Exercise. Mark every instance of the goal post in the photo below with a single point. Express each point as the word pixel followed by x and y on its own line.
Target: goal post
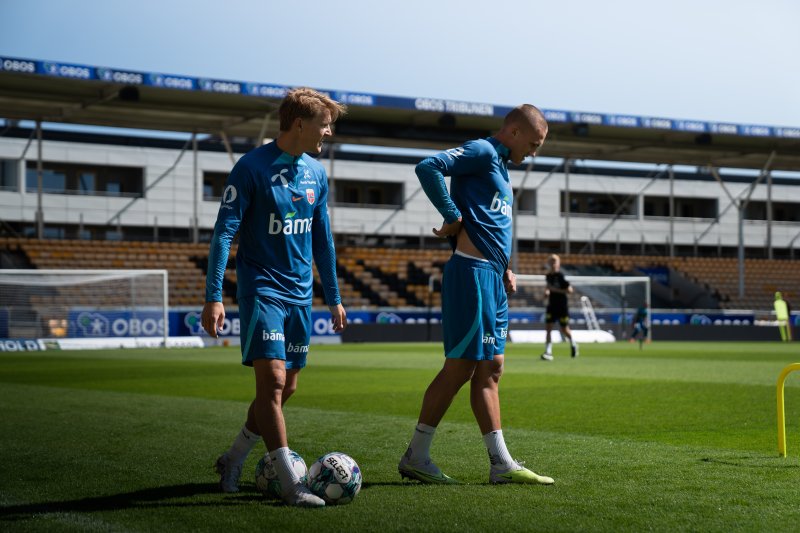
pixel 601 304
pixel 84 304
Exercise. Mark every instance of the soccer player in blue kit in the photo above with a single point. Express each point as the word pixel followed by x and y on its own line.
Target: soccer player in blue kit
pixel 475 285
pixel 276 197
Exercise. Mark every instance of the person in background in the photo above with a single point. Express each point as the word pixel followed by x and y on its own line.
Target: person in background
pixel 784 315
pixel 558 288
pixel 640 329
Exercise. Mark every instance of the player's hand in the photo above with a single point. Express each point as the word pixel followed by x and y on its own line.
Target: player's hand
pixel 213 317
pixel 338 317
pixel 510 282
pixel 448 229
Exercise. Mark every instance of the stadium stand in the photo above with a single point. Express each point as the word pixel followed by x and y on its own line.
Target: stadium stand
pixel 372 277
pixel 675 228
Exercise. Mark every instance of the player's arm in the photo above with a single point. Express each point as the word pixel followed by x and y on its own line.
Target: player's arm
pixel 325 258
pixel 470 158
pixel 229 217
pixel 567 285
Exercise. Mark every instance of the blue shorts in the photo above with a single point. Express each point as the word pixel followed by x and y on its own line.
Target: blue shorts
pixel 274 329
pixel 474 310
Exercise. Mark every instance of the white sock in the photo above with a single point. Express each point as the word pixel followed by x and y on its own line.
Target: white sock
pixel 283 467
pixel 419 450
pixel 242 445
pixel 571 341
pixel 548 348
pixel 498 453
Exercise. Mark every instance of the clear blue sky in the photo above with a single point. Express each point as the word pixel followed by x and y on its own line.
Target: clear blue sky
pixel 712 60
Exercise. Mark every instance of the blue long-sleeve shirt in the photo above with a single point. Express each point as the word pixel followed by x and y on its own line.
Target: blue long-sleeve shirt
pixel 278 203
pixel 480 193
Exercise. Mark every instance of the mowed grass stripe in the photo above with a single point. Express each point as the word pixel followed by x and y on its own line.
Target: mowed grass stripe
pixel 663 406
pixel 139 462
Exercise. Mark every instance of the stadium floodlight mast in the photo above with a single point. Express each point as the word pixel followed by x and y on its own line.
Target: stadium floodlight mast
pixel 741 206
pixel 84 304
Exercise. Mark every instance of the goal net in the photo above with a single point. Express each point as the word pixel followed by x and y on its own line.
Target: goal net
pixel 84 305
pixel 601 308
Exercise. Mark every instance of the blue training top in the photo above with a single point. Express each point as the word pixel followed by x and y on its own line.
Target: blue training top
pixel 280 203
pixel 480 193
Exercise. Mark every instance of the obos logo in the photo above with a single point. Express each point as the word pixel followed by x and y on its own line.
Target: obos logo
pixel 289 226
pixel 93 324
pixel 228 197
pixel 388 318
pixel 97 325
pixel 104 74
pixel 15 65
pixel 501 204
pixel 119 76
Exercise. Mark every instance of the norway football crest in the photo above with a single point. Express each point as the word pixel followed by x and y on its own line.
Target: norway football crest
pixel 310 196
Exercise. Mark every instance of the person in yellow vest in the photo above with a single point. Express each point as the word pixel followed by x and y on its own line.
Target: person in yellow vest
pixel 783 315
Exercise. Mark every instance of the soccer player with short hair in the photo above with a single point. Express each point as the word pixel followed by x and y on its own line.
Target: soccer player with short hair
pixel 475 285
pixel 276 198
pixel 557 309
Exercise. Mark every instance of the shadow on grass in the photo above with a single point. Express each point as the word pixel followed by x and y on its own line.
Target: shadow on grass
pixel 752 461
pixel 368 485
pixel 140 499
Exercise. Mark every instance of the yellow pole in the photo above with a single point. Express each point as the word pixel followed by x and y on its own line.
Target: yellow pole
pixel 781 412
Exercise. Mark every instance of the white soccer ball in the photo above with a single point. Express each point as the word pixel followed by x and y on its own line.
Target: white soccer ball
pixel 335 477
pixel 267 478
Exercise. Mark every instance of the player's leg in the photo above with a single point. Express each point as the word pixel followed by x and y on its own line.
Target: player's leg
pixel 461 323
pixel 270 379
pixel 485 384
pixel 444 387
pixel 229 464
pixel 248 436
pixel 483 394
pixel 296 337
pixel 567 333
pixel 416 463
pixel 485 402
pixel 548 342
pixel 270 382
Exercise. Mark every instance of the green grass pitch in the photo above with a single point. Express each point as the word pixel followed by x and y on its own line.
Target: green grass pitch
pixel 674 437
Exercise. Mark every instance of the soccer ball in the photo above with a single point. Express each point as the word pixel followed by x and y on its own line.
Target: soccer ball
pixel 267 478
pixel 335 477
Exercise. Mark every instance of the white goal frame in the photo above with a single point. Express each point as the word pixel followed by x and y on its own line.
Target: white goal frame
pixel 579 282
pixel 56 278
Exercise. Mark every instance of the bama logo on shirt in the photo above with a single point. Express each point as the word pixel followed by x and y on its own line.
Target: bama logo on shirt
pixel 500 204
pixel 289 225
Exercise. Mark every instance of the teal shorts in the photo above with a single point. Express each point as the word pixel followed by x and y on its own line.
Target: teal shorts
pixel 274 329
pixel 474 310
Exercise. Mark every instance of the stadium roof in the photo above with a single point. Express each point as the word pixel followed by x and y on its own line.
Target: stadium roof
pixel 81 94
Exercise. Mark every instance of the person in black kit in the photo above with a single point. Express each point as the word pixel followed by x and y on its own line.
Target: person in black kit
pixel 557 310
pixel 640 329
